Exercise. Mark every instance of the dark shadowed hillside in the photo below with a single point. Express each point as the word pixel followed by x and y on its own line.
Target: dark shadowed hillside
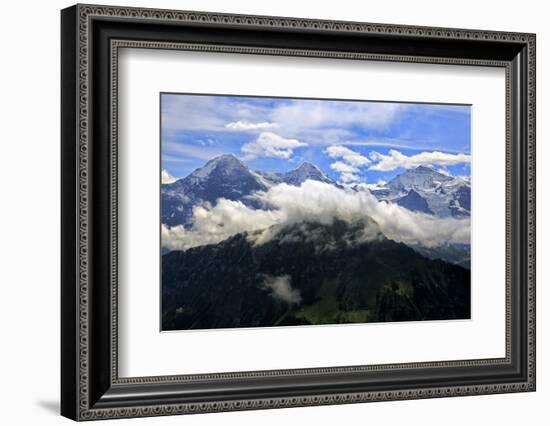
pixel 309 274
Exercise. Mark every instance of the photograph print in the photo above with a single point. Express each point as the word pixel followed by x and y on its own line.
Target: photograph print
pixel 301 212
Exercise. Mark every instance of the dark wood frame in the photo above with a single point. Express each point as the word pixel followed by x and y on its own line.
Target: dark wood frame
pixel 91 37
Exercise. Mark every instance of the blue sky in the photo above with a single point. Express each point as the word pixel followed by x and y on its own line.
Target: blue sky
pixel 351 141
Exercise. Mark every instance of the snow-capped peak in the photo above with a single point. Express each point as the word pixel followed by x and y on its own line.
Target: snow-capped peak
pixel 425 169
pixel 444 193
pixel 226 162
pixel 307 166
pixel 297 176
pixel 422 177
pixel 305 172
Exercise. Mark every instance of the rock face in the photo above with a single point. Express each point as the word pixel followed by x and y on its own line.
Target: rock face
pixel 309 273
pixel 414 202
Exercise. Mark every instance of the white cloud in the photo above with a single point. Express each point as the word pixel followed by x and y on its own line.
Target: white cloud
pixel 347 177
pixel 395 159
pixel 269 144
pixel 401 143
pixel 444 171
pixel 318 122
pixel 350 164
pixel 188 112
pixel 182 151
pixel 166 177
pixel 349 156
pixel 347 173
pixel 371 186
pixel 212 224
pixel 313 202
pixel 323 114
pixel 281 289
pixel 195 112
pixel 343 167
pixel 245 125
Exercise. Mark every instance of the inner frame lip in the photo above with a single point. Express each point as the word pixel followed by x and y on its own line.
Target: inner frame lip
pixel 116 44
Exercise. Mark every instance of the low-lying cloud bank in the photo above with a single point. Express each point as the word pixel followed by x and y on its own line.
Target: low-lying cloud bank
pixel 281 289
pixel 312 202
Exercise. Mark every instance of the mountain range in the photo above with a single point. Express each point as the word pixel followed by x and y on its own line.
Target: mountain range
pixel 226 177
pixel 428 190
pixel 422 189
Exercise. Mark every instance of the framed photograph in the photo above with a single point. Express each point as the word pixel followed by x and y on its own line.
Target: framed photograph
pixel 263 212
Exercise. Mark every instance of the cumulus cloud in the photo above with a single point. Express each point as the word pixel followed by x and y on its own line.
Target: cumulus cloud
pixel 313 201
pixel 380 183
pixel 321 114
pixel 349 156
pixel 269 144
pixel 281 289
pixel 197 112
pixel 347 177
pixel 166 177
pixel 318 122
pixel 212 224
pixel 343 167
pixel 395 159
pixel 350 164
pixel 245 125
pixel 347 173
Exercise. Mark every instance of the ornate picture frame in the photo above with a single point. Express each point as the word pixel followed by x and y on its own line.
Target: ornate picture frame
pixel 91 37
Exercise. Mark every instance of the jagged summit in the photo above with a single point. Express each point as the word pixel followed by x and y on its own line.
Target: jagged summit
pixel 305 171
pixel 222 177
pixel 228 164
pixel 306 165
pixel 422 177
pixel 297 176
pixel 226 176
